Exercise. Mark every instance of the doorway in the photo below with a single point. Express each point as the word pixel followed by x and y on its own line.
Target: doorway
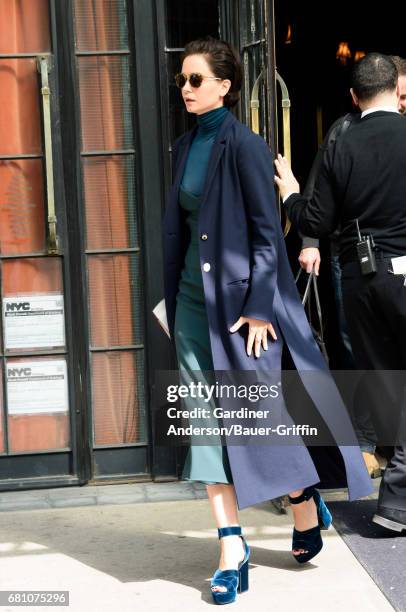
pixel 316 45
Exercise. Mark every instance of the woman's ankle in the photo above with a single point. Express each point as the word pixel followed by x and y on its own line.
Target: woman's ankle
pixel 232 551
pixel 296 493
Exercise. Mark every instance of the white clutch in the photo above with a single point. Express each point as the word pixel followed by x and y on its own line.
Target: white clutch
pixel 160 314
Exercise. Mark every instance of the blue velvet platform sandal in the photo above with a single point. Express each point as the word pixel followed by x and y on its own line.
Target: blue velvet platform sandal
pixel 310 539
pixel 233 579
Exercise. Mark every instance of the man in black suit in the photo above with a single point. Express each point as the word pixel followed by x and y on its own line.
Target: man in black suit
pixel 363 180
pixel 310 259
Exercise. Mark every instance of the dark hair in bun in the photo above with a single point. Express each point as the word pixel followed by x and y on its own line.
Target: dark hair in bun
pixel 223 60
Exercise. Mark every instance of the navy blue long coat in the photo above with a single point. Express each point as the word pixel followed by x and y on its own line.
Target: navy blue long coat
pixel 246 272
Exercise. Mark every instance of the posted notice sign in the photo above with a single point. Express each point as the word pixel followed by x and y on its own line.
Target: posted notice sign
pixel 35 387
pixel 34 321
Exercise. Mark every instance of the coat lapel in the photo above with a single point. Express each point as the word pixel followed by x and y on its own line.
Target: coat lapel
pixel 172 211
pixel 216 153
pixel 182 157
pixel 215 156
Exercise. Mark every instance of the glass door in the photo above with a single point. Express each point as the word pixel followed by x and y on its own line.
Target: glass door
pixel 37 428
pixel 111 248
pixel 72 343
pixel 256 41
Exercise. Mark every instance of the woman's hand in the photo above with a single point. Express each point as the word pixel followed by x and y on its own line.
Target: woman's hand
pixel 258 332
pixel 285 179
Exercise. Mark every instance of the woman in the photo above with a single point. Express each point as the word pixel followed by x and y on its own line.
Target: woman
pixel 228 285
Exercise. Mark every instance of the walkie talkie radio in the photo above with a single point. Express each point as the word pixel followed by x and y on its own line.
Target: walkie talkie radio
pixel 365 251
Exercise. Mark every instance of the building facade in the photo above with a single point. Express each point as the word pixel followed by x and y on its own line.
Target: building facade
pixel 87 117
pixel 88 113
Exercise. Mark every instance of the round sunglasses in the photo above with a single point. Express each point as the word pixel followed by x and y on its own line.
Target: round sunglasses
pixel 195 79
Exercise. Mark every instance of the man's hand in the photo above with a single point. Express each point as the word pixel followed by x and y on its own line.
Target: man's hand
pixel 285 179
pixel 309 258
pixel 258 331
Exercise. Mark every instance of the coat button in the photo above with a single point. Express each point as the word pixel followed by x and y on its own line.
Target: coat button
pixel 203 236
pixel 206 267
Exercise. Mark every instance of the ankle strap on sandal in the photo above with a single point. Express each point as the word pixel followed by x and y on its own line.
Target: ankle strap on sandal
pixel 308 493
pixel 226 531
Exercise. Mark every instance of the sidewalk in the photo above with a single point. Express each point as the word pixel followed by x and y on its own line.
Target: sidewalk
pixel 149 553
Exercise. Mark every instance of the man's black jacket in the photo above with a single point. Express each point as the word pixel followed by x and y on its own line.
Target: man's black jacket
pixel 362 176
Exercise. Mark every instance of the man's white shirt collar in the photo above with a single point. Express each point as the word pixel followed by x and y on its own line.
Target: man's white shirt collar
pixel 374 109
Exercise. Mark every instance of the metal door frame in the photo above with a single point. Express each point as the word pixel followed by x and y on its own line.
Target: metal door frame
pixel 60 468
pixel 112 460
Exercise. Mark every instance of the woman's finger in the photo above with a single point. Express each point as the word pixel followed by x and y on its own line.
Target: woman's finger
pixel 265 339
pixel 258 339
pixel 272 331
pixel 237 325
pixel 250 341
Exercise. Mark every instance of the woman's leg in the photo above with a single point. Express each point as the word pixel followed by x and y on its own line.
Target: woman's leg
pixel 223 504
pixel 304 516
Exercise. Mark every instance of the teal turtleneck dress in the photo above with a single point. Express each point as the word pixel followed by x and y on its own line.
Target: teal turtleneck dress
pixel 208 464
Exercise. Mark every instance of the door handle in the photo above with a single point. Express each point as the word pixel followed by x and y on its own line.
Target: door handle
pixel 285 130
pixel 254 103
pixel 44 65
pixel 254 106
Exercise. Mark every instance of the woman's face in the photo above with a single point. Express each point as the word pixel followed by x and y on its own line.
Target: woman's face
pixel 210 94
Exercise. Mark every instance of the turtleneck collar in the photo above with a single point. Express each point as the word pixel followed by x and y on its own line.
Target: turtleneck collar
pixel 210 121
